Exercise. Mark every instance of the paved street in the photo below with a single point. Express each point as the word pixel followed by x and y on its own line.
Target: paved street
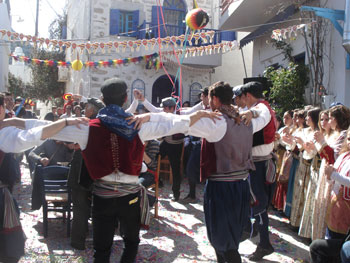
pixel 178 236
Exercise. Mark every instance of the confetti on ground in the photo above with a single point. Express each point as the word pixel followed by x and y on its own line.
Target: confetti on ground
pixel 179 235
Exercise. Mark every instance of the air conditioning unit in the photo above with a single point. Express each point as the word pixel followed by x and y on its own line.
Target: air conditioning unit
pixel 63 74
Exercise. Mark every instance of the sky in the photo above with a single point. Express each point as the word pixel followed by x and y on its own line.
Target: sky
pixel 24 12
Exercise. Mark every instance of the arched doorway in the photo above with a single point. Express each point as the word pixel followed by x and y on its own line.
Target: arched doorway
pixel 162 88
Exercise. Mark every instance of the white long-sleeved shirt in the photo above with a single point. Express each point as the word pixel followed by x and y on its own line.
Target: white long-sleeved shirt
pixel 184 111
pixel 17 140
pixel 133 106
pixel 342 177
pixel 161 124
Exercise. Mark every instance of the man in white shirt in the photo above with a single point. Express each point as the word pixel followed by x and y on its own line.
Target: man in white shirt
pixel 68 113
pixel 15 140
pixel 113 151
pixel 172 146
pixel 263 143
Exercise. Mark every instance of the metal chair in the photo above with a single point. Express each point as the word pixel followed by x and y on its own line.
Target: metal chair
pixel 56 195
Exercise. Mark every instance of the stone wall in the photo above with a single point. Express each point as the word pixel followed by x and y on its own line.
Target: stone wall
pixel 88 81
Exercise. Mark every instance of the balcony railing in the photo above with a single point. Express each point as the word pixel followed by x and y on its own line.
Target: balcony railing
pixel 148 30
pixel 224 5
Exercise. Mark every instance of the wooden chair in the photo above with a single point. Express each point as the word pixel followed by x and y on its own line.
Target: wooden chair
pixel 165 167
pixel 156 188
pixel 56 195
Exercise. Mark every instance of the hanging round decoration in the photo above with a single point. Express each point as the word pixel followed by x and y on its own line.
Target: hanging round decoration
pixel 197 19
pixel 30 102
pixel 77 65
pixel 67 96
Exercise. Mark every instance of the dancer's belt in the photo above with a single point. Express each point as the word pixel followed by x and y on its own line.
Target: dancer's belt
pixel 113 189
pixel 307 162
pixel 230 177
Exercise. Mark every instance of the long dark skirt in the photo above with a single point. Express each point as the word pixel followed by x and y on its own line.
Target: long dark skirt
pixel 226 210
pixel 293 170
pixel 12 241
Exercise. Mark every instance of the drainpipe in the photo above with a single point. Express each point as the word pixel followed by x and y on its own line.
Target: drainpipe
pixel 346 34
pixel 89 39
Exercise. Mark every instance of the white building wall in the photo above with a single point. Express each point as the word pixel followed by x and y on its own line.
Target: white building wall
pixel 339 77
pixel 88 81
pixel 336 76
pixel 232 69
pixel 4 48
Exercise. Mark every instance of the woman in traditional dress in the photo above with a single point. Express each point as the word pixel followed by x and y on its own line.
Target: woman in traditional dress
pixel 284 163
pixel 339 120
pixel 298 126
pixel 323 190
pixel 338 214
pixel 305 229
pixel 302 175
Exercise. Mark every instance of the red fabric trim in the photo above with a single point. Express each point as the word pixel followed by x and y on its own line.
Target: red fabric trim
pixel 10 230
pixel 327 153
pixel 346 190
pixel 270 129
pixel 154 173
pixel 208 160
pixel 2 155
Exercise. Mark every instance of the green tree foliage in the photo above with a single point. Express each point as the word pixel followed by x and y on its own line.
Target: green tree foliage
pixel 45 85
pixel 16 86
pixel 288 87
pixel 287 84
pixel 58 26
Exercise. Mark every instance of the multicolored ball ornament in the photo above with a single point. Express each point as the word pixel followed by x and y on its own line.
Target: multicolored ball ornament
pixel 197 19
pixel 77 65
pixel 67 96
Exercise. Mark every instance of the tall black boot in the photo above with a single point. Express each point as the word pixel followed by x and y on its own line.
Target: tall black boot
pixel 130 251
pixel 219 257
pixel 232 256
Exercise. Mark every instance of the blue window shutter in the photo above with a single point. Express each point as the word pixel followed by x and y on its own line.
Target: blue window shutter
pixel 114 21
pixel 228 36
pixel 154 24
pixel 135 22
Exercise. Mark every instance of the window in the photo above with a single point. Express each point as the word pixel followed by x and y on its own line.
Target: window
pixel 195 91
pixel 300 59
pixel 228 36
pixel 138 84
pixel 174 16
pixel 123 22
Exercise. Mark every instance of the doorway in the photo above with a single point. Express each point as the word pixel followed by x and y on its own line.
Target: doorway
pixel 163 88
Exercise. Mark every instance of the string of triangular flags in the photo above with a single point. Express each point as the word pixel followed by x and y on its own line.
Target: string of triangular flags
pixel 151 60
pixel 284 33
pixel 117 46
pixel 208 50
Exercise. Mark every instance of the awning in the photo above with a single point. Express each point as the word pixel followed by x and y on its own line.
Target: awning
pixel 269 25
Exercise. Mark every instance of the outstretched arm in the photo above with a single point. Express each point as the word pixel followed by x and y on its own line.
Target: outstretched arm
pixel 15 122
pixel 133 106
pixel 187 111
pixel 15 140
pixel 150 107
pixel 53 128
pixel 204 124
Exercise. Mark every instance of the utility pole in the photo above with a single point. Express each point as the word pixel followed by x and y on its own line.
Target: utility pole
pixel 37 18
